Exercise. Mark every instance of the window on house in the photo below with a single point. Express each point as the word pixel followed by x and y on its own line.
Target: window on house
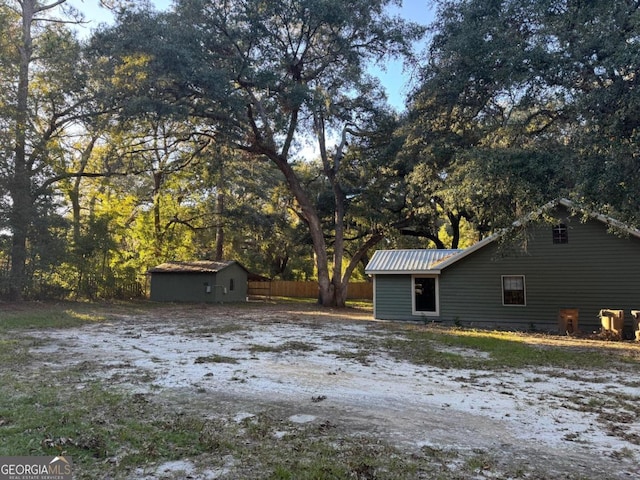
pixel 513 291
pixel 425 295
pixel 231 285
pixel 560 233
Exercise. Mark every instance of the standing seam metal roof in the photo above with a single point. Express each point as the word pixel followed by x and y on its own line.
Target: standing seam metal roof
pixel 407 261
pixel 433 261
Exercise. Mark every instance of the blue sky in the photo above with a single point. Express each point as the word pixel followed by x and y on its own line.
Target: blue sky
pixel 393 76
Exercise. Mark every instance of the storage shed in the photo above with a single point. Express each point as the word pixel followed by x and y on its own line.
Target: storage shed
pixel 574 264
pixel 199 281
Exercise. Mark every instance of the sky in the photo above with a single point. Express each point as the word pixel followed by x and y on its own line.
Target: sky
pixel 394 78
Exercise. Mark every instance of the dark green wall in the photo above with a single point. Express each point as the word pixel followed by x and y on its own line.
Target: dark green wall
pixel 223 279
pixel 190 287
pixel 392 297
pixel 595 270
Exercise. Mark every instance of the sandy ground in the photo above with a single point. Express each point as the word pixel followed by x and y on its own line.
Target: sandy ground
pixel 528 417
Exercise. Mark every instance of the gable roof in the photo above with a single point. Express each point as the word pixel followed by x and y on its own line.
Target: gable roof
pixel 549 206
pixel 196 266
pixel 433 261
pixel 407 261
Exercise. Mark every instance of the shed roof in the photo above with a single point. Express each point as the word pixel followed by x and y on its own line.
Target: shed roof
pixel 196 266
pixel 407 261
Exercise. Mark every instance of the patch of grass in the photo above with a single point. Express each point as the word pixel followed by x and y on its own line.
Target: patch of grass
pixel 216 359
pixel 291 346
pixel 343 457
pixel 14 351
pixel 360 356
pixel 38 316
pixel 495 350
pixel 364 457
pixel 361 304
pixel 480 462
pixel 92 425
pixel 289 300
pixel 357 304
pixel 362 349
pixel 421 350
pixel 625 452
pixel 442 455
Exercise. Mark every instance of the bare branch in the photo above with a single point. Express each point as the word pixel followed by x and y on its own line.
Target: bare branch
pixel 44 8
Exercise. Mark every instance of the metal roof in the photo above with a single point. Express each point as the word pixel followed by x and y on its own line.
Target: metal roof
pixel 197 266
pixel 407 261
pixel 433 261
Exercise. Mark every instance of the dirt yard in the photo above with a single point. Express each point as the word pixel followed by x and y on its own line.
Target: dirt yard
pixel 329 369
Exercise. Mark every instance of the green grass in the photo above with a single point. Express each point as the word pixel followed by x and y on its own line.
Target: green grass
pixel 291 346
pixel 90 424
pixel 111 432
pixel 36 315
pixel 216 359
pixel 57 317
pixel 355 303
pixel 362 356
pixel 96 425
pixel 494 350
pixel 13 351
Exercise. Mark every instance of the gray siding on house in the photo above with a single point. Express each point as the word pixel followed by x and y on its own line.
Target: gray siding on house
pixel 192 286
pixel 594 270
pixel 182 287
pixel 224 278
pixel 392 297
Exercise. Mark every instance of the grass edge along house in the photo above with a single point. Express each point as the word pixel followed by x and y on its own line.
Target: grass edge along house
pixel 559 259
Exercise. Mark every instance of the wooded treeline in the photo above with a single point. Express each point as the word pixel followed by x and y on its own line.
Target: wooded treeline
pixel 252 130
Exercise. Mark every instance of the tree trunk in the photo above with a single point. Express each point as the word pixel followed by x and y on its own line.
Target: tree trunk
pixel 454 220
pixel 158 177
pixel 219 255
pixel 357 257
pixel 20 184
pixel 339 286
pixel 326 289
pixel 340 292
pixel 74 191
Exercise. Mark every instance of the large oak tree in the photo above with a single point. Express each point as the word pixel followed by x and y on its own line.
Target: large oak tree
pixel 271 78
pixel 524 101
pixel 42 85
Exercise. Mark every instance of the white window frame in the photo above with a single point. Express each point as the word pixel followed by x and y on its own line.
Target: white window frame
pixel 524 291
pixel 424 313
pixel 560 234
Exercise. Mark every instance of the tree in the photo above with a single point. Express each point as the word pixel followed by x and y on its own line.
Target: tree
pixel 599 47
pixel 42 94
pixel 521 102
pixel 270 77
pixel 486 131
pixel 261 228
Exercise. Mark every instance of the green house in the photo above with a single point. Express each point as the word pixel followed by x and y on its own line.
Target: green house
pixel 556 270
pixel 199 281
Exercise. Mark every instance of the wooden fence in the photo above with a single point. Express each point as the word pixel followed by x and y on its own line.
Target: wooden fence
pixel 281 288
